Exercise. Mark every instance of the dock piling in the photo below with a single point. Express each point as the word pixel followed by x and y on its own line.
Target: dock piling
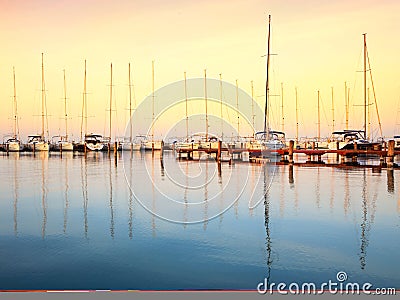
pixel 390 154
pixel 291 146
pixel 219 151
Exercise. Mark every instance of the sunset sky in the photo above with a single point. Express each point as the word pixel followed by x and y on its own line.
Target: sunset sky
pixel 318 45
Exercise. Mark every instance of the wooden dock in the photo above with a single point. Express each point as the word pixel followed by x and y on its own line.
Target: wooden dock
pixel 348 157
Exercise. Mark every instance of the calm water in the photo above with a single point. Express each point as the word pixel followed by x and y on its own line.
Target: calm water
pixel 134 223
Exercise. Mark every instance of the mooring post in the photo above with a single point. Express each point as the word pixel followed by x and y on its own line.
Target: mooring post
pixel 291 178
pixel 219 151
pixel 115 148
pixel 291 146
pixel 84 148
pixel 337 153
pixel 313 145
pixel 390 154
pixel 162 150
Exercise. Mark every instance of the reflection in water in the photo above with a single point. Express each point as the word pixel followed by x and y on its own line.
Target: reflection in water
pixel 205 222
pixel 364 224
pixel 84 193
pixel 130 222
pixel 362 193
pixel 291 178
pixel 185 195
pixel 267 224
pixel 332 198
pixel 66 196
pixel 282 195
pixel 111 201
pixel 317 189
pixel 16 194
pixel 220 183
pixel 346 203
pixel 390 181
pixel 153 208
pixel 296 192
pixel 44 197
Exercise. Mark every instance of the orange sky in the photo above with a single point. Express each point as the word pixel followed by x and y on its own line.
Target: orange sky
pixel 318 46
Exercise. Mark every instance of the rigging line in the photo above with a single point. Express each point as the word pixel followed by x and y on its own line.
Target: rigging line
pixel 45 105
pixel 376 102
pixel 323 109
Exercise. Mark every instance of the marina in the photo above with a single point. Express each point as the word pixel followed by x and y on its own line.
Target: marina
pixel 198 147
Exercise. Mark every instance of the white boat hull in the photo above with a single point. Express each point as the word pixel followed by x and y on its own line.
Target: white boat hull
pixel 148 146
pixel 65 146
pixel 13 146
pixel 272 145
pixel 94 147
pixel 38 146
pixel 131 146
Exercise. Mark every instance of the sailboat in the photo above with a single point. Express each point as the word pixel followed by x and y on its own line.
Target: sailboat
pixel 13 144
pixel 347 138
pixel 63 144
pixel 268 139
pixel 38 142
pixel 131 144
pixel 90 142
pixel 150 144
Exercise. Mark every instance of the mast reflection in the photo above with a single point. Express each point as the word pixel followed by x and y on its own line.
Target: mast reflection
pixel 16 193
pixel 84 193
pixel 267 224
pixel 66 196
pixel 43 156
pixel 112 228
pixel 130 221
pixel 205 222
pixel 364 224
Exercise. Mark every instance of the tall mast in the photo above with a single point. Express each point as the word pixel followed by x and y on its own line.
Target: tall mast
pixel 152 88
pixel 365 85
pixel 237 107
pixel 333 112
pixel 42 133
pixel 319 121
pixel 65 108
pixel 267 82
pixel 205 97
pixel 346 104
pixel 283 116
pixel 84 106
pixel 369 116
pixel 130 102
pixel 16 129
pixel 186 106
pixel 297 118
pixel 110 100
pixel 220 99
pixel 252 108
